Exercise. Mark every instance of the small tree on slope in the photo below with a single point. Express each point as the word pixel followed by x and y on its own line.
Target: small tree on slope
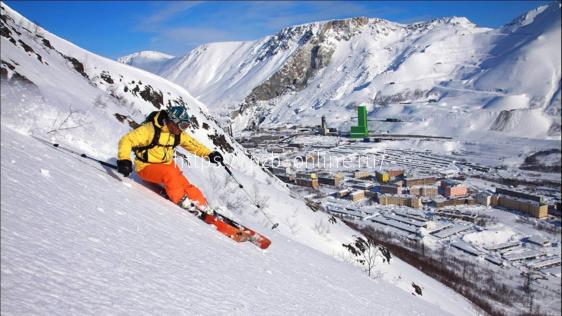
pixel 366 252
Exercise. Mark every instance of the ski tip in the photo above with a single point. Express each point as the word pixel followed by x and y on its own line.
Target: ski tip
pixel 264 244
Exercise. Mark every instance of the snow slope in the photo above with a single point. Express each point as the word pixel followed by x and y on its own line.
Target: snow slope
pixel 77 239
pixel 54 89
pixel 52 204
pixel 441 73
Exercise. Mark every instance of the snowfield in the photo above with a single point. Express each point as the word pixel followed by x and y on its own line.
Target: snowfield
pixel 78 239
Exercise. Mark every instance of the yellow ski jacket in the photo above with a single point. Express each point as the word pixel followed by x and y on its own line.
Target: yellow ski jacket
pixel 163 151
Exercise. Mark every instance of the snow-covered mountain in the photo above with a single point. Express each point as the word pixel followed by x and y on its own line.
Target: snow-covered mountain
pixel 148 60
pixel 445 76
pixel 79 239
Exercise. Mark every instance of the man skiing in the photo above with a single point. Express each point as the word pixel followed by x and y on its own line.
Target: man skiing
pixel 153 144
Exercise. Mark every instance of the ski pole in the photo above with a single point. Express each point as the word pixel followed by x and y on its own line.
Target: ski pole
pixel 248 195
pixel 240 185
pixel 103 163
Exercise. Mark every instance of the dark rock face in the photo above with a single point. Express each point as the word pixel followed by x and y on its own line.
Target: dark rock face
pixel 8 65
pixel 30 50
pixel 193 122
pixel 106 77
pixel 6 68
pixel 4 30
pixel 47 43
pixel 220 141
pixel 294 75
pixel 535 162
pixel 78 66
pixel 152 96
pixel 21 79
pixel 3 74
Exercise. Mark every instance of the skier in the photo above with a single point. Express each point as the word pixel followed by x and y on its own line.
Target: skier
pixel 153 144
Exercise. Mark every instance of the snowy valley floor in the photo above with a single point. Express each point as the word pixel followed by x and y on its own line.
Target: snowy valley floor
pixel 77 240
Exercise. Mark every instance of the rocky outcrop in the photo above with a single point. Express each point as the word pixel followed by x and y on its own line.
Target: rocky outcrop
pixel 314 53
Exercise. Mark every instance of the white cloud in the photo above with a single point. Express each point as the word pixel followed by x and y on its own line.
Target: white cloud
pixel 167 12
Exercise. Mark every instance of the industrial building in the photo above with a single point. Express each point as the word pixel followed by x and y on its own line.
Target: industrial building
pixel 395 173
pixel 313 183
pixel 390 189
pixel 532 208
pixel 307 179
pixel 382 177
pixel 411 181
pixel 281 170
pixel 357 195
pixel 453 188
pixel 343 193
pixel 484 198
pixel 518 194
pixel 402 200
pixel 424 190
pixel 360 184
pixel 330 179
pixel 361 130
pixel 286 178
pixel 440 202
pixel 361 174
pixel 385 176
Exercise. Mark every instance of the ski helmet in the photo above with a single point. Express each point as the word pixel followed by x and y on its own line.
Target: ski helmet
pixel 178 114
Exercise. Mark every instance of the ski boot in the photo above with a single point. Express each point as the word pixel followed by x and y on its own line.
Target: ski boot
pixel 190 206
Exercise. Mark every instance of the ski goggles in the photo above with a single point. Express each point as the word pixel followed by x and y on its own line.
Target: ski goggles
pixel 183 124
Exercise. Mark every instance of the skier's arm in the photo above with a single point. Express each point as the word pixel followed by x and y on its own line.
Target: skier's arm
pixel 141 136
pixel 193 146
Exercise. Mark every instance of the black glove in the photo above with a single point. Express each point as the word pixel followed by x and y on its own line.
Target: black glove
pixel 124 167
pixel 216 157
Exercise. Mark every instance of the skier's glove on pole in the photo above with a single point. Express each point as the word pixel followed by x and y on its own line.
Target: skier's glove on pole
pixel 124 167
pixel 216 157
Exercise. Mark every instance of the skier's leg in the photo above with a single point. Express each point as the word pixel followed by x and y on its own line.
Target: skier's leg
pixel 166 174
pixel 193 193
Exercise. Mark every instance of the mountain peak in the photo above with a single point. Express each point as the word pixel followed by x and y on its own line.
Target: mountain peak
pixel 148 60
pixel 145 54
pixel 528 17
pixel 456 21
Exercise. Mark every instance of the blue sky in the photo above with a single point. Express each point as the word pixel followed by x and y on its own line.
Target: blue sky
pixel 117 28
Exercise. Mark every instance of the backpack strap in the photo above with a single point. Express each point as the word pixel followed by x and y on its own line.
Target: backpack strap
pixel 141 152
pixel 177 140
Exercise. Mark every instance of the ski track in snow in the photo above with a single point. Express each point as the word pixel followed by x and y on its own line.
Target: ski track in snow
pixel 79 241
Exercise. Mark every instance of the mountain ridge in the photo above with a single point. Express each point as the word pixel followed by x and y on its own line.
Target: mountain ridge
pixel 441 68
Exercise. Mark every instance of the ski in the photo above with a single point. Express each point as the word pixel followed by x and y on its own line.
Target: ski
pixel 235 230
pixel 232 229
pixel 223 224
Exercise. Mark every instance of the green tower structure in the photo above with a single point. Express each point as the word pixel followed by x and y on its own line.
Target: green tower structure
pixel 361 130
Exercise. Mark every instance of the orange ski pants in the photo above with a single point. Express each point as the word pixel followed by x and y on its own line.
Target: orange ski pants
pixel 175 183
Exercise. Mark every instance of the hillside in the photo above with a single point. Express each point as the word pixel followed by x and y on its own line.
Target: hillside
pixel 76 239
pixel 445 77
